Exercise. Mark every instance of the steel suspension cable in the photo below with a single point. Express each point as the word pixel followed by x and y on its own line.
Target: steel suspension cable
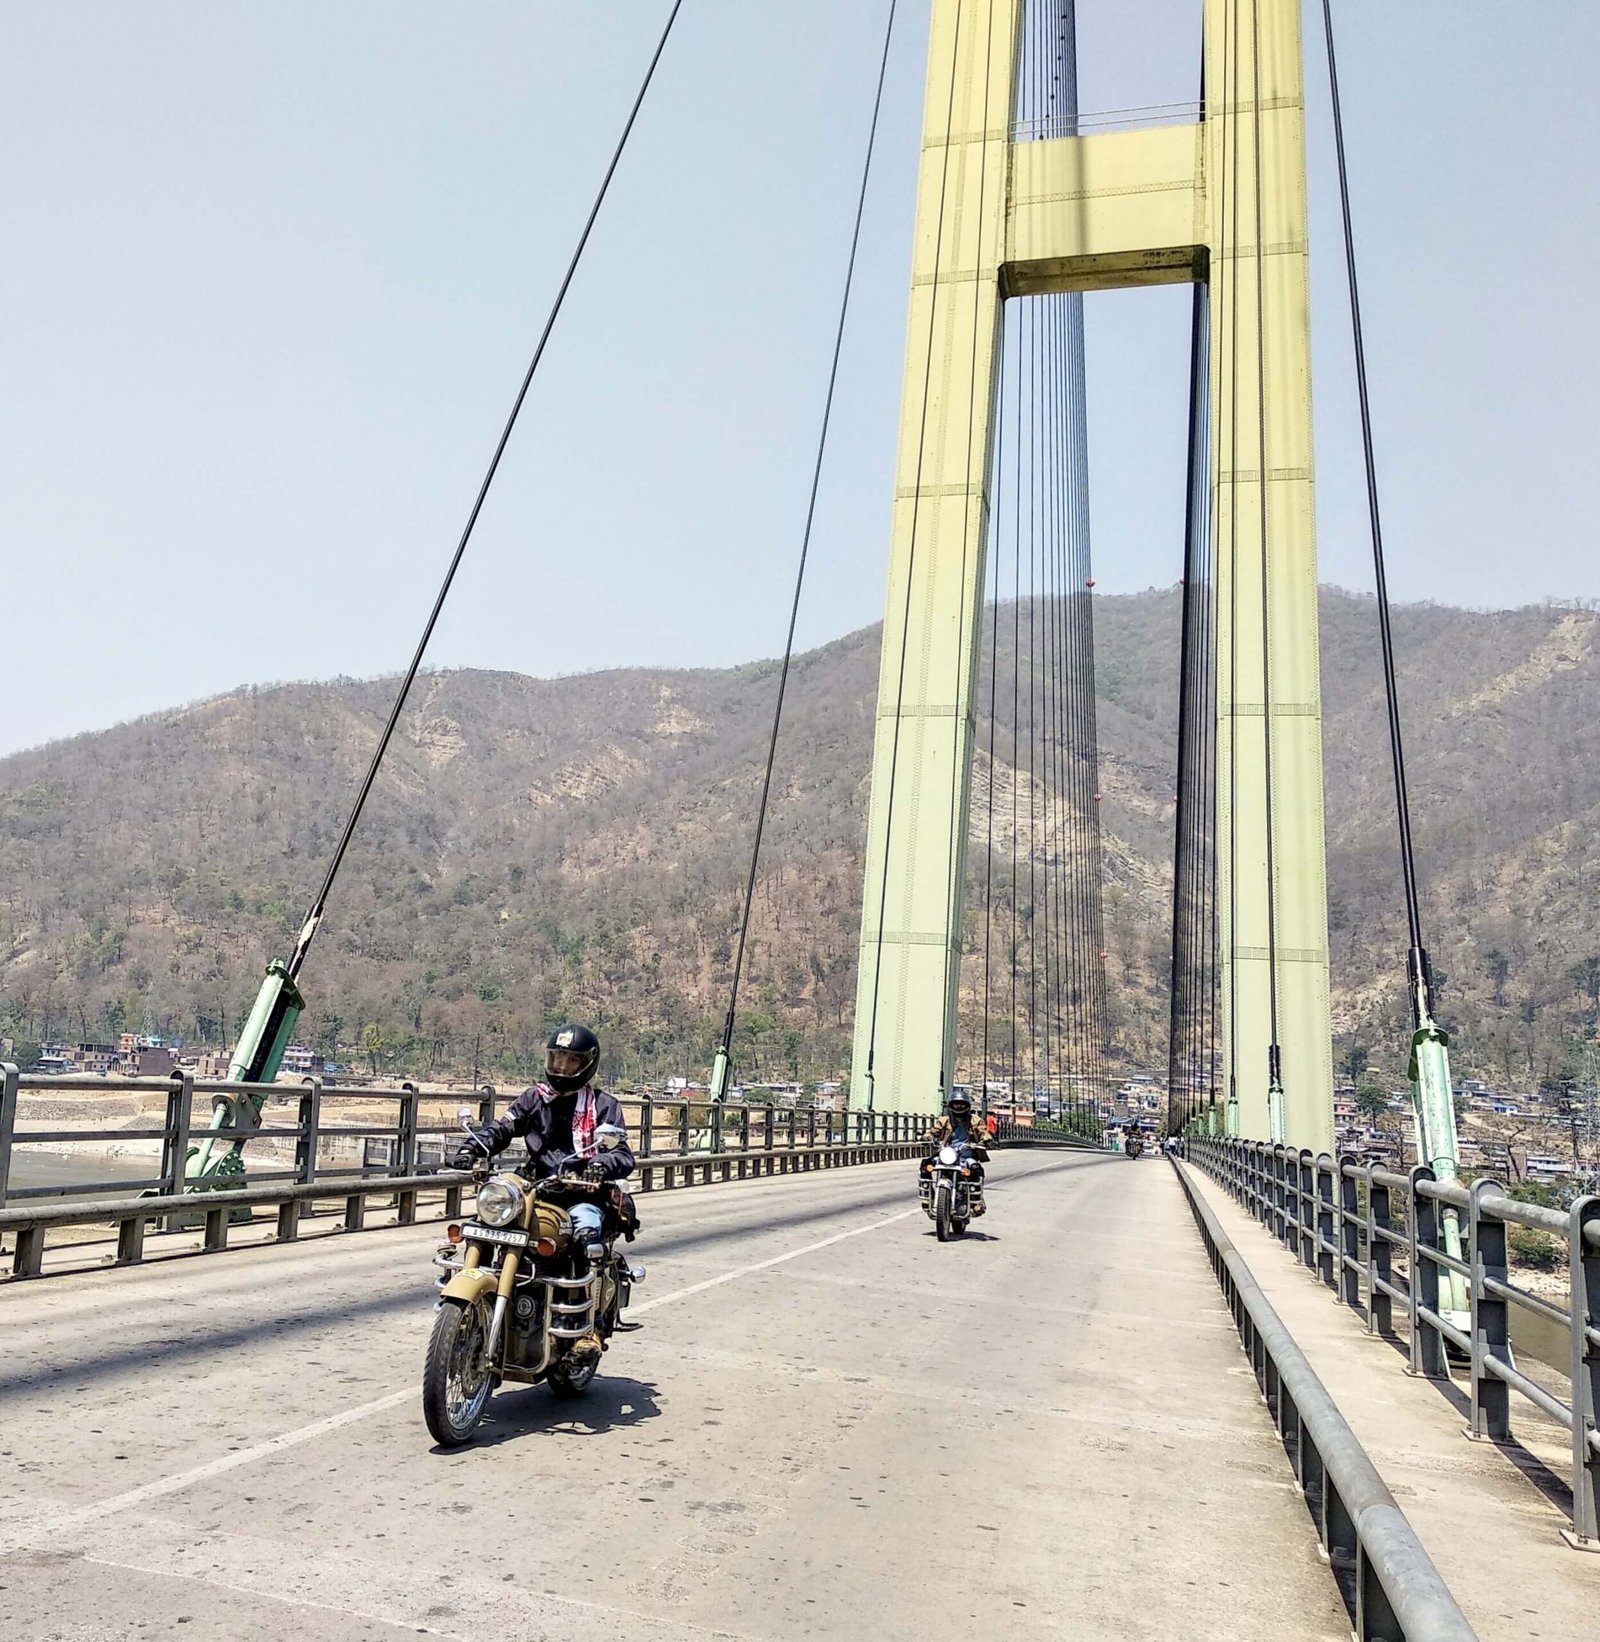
pixel 1274 1060
pixel 1421 986
pixel 993 572
pixel 1229 218
pixel 1178 999
pixel 313 918
pixel 805 538
pixel 959 770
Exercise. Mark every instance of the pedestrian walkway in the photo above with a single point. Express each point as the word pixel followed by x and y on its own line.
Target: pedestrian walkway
pixel 1493 1535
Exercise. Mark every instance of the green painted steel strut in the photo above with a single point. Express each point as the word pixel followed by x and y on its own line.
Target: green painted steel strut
pixel 720 1067
pixel 1433 1103
pixel 256 1059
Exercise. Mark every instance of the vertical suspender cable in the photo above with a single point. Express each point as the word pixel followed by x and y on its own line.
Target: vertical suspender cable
pixel 993 571
pixel 954 884
pixel 1274 1063
pixel 1230 231
pixel 1179 999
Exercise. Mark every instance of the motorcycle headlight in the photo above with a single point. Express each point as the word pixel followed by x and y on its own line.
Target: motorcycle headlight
pixel 947 1155
pixel 499 1201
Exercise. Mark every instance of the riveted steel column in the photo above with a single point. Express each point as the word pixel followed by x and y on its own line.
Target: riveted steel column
pixel 1260 357
pixel 922 757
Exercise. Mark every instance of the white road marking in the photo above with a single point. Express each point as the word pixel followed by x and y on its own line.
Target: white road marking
pixel 766 1265
pixel 18 1535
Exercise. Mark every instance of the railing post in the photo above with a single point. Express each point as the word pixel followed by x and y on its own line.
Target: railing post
pixel 716 1126
pixel 9 1076
pixel 811 1126
pixel 175 1144
pixel 1380 1254
pixel 1427 1343
pixel 770 1124
pixel 1349 1286
pixel 1305 1209
pixel 683 1127
pixel 1328 1251
pixel 1491 1396
pixel 130 1240
pixel 744 1128
pixel 406 1154
pixel 310 1132
pixel 646 1125
pixel 405 1151
pixel 1584 1269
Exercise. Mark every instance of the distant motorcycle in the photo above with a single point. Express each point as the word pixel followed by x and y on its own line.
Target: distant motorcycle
pixel 946 1191
pixel 1135 1145
pixel 518 1291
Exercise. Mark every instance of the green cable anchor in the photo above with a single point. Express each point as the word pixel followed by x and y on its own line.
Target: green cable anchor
pixel 1434 1106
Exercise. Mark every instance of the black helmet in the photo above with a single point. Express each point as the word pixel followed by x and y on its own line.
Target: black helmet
pixel 960 1105
pixel 577 1051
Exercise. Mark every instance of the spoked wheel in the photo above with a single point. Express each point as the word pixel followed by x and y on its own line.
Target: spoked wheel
pixel 941 1212
pixel 455 1379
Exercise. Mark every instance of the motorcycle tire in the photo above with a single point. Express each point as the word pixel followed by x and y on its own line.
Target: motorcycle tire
pixel 941 1214
pixel 452 1401
pixel 568 1380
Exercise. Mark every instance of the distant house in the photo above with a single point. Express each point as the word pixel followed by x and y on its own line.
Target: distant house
pixel 96 1057
pixel 300 1062
pixel 150 1061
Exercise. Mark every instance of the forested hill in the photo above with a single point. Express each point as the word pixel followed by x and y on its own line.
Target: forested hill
pixel 578 845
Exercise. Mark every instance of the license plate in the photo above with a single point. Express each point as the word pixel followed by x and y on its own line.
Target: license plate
pixel 492 1234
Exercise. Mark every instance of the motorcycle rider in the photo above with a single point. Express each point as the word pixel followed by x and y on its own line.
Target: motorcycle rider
pixel 557 1120
pixel 958 1127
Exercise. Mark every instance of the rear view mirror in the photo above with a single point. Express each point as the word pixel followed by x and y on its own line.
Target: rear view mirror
pixel 609 1136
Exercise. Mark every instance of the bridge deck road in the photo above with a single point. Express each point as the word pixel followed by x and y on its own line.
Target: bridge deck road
pixel 829 1424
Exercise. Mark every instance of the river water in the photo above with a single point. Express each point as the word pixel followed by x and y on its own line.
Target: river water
pixel 64 1173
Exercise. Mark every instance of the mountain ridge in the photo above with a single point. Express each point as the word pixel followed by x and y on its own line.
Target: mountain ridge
pixel 579 844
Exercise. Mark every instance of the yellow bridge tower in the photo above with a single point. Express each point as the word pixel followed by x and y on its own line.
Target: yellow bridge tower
pixel 1002 213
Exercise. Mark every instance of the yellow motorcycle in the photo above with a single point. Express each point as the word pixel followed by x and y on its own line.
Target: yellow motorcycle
pixel 518 1292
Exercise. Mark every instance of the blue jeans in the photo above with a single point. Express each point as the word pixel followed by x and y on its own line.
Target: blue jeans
pixel 586 1221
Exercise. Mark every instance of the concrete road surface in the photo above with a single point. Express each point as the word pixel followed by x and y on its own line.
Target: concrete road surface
pixel 829 1425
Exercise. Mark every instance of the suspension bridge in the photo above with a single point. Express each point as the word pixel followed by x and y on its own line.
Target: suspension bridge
pixel 1256 1390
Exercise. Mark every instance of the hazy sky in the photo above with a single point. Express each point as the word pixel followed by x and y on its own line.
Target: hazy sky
pixel 272 271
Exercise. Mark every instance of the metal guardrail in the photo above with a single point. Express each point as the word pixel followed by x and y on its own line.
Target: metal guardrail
pixel 1399 1595
pixel 701 1144
pixel 1344 1220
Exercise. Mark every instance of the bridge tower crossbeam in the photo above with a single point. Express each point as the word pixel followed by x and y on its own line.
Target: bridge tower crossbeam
pixel 1002 214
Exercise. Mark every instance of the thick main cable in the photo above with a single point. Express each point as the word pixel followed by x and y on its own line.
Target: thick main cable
pixel 805 540
pixel 1421 985
pixel 313 918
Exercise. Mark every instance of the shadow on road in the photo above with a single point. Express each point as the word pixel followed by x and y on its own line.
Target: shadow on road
pixel 609 1403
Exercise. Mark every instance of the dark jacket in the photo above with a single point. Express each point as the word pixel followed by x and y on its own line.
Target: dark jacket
pixel 546 1125
pixel 940 1133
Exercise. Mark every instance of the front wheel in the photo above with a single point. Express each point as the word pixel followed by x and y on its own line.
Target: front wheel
pixel 455 1379
pixel 941 1213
